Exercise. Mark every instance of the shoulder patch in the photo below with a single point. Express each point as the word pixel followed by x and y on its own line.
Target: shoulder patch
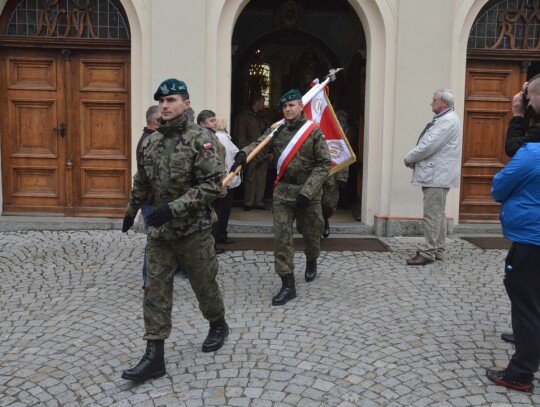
pixel 208 146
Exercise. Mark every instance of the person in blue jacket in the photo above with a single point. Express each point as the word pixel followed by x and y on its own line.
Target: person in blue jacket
pixel 517 187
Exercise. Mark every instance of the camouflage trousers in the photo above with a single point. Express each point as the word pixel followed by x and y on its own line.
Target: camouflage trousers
pixel 196 255
pixel 309 223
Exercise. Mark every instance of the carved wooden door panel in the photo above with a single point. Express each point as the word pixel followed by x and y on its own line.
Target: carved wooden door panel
pixel 33 144
pixel 65 142
pixel 489 90
pixel 100 132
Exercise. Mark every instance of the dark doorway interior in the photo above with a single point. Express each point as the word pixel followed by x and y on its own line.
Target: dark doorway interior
pixel 280 45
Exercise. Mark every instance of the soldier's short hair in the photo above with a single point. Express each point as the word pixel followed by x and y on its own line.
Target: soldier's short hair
pixel 203 115
pixel 153 111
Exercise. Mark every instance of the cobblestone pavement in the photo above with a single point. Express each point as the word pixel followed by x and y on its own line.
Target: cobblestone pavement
pixel 368 332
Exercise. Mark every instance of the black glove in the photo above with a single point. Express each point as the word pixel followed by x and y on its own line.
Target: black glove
pixel 128 223
pixel 239 160
pixel 302 202
pixel 159 216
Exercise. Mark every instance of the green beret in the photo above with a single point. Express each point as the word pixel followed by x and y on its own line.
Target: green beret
pixel 293 94
pixel 170 87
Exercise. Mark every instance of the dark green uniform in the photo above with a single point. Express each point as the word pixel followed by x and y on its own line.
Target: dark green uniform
pixel 331 191
pixel 248 127
pixel 304 175
pixel 179 165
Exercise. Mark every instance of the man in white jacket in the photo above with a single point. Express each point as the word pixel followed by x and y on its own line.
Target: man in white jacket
pixel 436 164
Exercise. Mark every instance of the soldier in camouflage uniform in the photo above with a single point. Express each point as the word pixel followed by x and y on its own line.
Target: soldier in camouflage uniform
pixel 297 194
pixel 334 188
pixel 180 172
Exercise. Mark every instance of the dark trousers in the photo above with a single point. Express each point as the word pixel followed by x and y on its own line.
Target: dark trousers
pixel 224 207
pixel 522 282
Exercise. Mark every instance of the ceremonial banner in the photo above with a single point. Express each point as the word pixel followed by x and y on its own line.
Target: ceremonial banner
pixel 321 112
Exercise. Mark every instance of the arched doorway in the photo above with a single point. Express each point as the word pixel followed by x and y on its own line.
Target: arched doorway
pixel 288 44
pixel 65 98
pixel 502 54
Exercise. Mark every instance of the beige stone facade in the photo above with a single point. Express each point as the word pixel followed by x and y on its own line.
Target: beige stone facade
pixel 413 48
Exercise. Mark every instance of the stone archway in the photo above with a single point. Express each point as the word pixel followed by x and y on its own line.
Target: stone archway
pixel 296 56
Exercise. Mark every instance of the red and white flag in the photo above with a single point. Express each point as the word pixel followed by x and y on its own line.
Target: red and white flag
pixel 321 112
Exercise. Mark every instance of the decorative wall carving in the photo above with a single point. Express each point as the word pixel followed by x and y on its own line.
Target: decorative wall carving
pixel 288 15
pixel 89 19
pixel 517 25
pixel 508 24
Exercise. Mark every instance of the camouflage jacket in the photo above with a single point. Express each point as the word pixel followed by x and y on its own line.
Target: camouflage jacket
pixel 309 167
pixel 248 127
pixel 179 164
pixel 221 154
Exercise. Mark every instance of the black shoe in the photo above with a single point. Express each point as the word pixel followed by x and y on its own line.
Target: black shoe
pixel 287 292
pixel 507 337
pixel 311 270
pixel 225 241
pixel 216 337
pixel 326 231
pixel 151 366
pixel 500 379
pixel 219 250
pixel 261 207
pixel 248 208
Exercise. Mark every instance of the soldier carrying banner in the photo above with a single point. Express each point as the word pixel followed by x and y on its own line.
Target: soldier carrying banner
pixel 303 164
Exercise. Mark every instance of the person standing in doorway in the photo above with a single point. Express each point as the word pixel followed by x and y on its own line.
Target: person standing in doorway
pixel 180 172
pixel 248 127
pixel 335 186
pixel 436 164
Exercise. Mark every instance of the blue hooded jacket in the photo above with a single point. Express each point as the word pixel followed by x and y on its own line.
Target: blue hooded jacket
pixel 517 187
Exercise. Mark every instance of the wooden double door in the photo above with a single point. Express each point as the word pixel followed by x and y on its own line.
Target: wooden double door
pixel 65 127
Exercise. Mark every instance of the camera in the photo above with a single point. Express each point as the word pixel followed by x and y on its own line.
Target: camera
pixel 525 99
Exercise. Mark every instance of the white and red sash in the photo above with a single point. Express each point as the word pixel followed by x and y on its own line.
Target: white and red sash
pixel 293 147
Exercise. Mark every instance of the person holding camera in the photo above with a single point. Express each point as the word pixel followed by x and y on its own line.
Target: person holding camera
pixel 524 127
pixel 517 187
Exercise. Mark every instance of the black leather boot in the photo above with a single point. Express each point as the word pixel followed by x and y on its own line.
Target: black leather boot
pixel 216 336
pixel 152 364
pixel 326 230
pixel 311 270
pixel 287 292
